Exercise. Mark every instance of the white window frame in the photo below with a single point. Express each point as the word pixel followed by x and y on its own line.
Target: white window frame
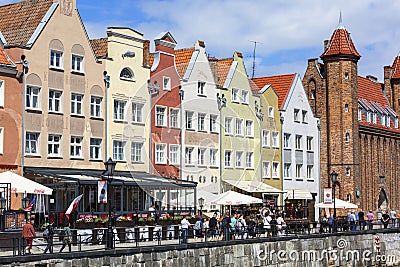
pixel 189 118
pixel 174 155
pixel 213 157
pixel 119 110
pixel 228 126
pixel 286 140
pixel 160 153
pixel 229 163
pixel 201 87
pixel 266 138
pixel 55 101
pixel 310 172
pixel 189 160
pixel 77 63
pixel 137 112
pixel 245 97
pixel 275 170
pixel 368 116
pixel 33 95
pixel 239 159
pixel 96 110
pixel 77 104
pixel 249 128
pixel 161 116
pixel 348 171
pixel 32 143
pixel 239 129
pixel 53 145
pixel 53 58
pixel 304 116
pixel 249 160
pixel 118 150
pixel 310 143
pixel 299 171
pixel 298 141
pixel 275 139
pixel 266 173
pixel 2 92
pixel 174 118
pixel 201 156
pixel 201 122
pixel 359 114
pixel 166 83
pixel 374 118
pixel 270 112
pixel 76 147
pixel 388 121
pixel 286 170
pixel 213 123
pixel 137 152
pixel 296 115
pixel 235 95
pixel 95 151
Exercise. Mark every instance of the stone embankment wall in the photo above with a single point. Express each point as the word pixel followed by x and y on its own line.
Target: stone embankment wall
pixel 352 249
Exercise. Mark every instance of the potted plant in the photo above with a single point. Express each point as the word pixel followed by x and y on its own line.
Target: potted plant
pixel 164 221
pixel 150 221
pixel 178 219
pixel 124 221
pixel 142 221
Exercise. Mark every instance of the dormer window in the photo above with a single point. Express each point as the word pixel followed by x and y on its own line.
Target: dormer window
pixel 396 123
pixel 388 121
pixel 359 114
pixel 369 116
pixel 383 120
pixel 374 118
pixel 126 74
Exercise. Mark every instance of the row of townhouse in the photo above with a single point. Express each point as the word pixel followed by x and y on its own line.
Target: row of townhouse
pixel 180 125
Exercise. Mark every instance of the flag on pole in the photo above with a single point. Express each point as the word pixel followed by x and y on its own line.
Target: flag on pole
pixel 30 205
pixel 73 206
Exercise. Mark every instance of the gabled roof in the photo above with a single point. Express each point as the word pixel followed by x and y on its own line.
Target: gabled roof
pixel 281 84
pixel 396 68
pixel 371 91
pixel 19 21
pixel 100 47
pixel 182 59
pixel 4 60
pixel 341 44
pixel 220 69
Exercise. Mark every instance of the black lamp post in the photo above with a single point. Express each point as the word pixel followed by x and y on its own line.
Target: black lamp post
pixel 3 202
pixel 25 202
pixel 334 176
pixel 110 167
pixel 201 204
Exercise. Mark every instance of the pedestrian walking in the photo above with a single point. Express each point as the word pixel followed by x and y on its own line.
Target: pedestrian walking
pixel 213 224
pixel 66 235
pixel 185 224
pixel 48 235
pixel 385 219
pixel 370 218
pixel 361 220
pixel 198 228
pixel 226 221
pixel 393 217
pixel 28 233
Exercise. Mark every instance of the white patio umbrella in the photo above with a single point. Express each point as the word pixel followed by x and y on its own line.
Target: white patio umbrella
pixel 21 184
pixel 339 204
pixel 234 198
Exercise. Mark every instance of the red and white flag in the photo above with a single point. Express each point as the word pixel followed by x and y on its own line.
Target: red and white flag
pixel 73 205
pixel 31 203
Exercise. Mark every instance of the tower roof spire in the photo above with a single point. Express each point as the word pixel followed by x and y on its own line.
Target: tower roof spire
pixel 340 25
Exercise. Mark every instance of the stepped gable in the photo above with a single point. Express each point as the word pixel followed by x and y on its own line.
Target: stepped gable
pixel 280 83
pixel 396 68
pixel 100 47
pixel 182 59
pixel 340 44
pixel 19 21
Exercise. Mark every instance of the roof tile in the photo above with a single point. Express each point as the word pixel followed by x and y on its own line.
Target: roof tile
pixel 100 47
pixel 3 58
pixel 396 68
pixel 341 44
pixel 220 69
pixel 182 59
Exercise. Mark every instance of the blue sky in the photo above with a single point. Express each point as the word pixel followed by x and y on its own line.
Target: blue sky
pixel 288 32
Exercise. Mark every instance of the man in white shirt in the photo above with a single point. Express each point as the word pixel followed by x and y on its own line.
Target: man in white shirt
pixel 184 227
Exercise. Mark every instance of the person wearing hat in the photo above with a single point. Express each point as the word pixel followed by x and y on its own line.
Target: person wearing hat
pixel 28 232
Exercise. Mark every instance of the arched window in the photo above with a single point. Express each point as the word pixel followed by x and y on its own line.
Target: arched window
pixel 126 74
pixel 346 107
pixel 348 171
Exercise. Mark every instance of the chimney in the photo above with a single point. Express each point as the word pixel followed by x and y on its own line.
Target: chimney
pixel 387 86
pixel 326 44
pixel 202 44
pixel 372 78
pixel 146 53
pixel 239 54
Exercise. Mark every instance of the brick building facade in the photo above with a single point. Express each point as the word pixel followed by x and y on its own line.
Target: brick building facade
pixel 360 138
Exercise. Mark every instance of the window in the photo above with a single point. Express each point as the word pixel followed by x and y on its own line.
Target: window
pixel 348 172
pixel 55 100
pixel 166 83
pixel 213 123
pixel 396 123
pixel 286 140
pixel 275 170
pixel 369 116
pixel 174 118
pixel 346 75
pixel 312 94
pixel 201 122
pixel 266 169
pixel 228 159
pixel 119 150
pixel 119 110
pixel 249 128
pixel 298 142
pixel 347 137
pixel 189 155
pixel 95 106
pixel 213 157
pixel 266 138
pixel 56 59
pixel 235 95
pixel 76 147
pixel 228 126
pixel 249 160
pixel 388 121
pixel 32 97
pixel 275 139
pixel 383 120
pixel 310 171
pixel 239 127
pixel 76 104
pixel 174 154
pixel 161 153
pixel 309 143
pixel 95 149
pixel 126 74
pixel 160 116
pixel 296 115
pixel 200 87
pixel 32 144
pixel 298 170
pixel 201 156
pixel 245 97
pixel 189 120
pixel 77 63
pixel 374 119
pixel 305 116
pixel 239 159
pixel 346 108
pixel 359 114
pixel 286 170
pixel 54 145
pixel 136 152
pixel 1 140
pixel 271 112
pixel 137 113
pixel 1 93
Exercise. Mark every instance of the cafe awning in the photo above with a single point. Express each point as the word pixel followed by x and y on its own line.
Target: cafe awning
pixel 21 184
pixel 234 198
pixel 297 194
pixel 254 187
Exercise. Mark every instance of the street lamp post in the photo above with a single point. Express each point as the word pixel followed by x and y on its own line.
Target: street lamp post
pixel 334 176
pixel 221 100
pixel 260 116
pixel 201 204
pixel 3 202
pixel 153 90
pixel 110 167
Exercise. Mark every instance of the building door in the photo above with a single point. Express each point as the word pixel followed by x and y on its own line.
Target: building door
pixel 382 200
